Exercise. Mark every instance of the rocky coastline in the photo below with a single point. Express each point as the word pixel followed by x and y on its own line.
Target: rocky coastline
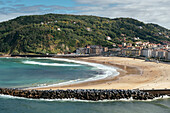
pixel 81 94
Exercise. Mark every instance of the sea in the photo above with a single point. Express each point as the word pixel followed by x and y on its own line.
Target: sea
pixel 44 72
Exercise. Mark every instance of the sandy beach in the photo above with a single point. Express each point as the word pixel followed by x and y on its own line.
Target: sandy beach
pixel 134 74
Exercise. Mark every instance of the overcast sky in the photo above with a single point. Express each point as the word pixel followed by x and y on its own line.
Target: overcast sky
pixel 148 11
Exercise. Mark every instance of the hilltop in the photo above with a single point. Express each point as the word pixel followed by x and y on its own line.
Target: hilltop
pixel 58 33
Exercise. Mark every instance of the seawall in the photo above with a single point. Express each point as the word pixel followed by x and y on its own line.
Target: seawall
pixel 158 91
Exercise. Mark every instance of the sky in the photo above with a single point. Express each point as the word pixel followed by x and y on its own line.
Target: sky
pixel 148 11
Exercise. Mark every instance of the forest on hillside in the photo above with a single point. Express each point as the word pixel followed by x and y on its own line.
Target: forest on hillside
pixel 57 33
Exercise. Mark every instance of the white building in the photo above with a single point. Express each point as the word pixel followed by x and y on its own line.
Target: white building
pixel 136 38
pixel 42 23
pixel 123 44
pixel 140 27
pixel 58 29
pixel 114 45
pixel 146 53
pixel 88 29
pixel 108 38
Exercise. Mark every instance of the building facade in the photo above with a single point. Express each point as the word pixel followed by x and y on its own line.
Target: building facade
pixel 167 55
pixel 154 54
pixel 161 54
pixel 146 53
pixel 92 50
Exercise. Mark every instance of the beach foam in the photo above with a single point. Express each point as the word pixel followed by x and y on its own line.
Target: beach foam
pixel 108 71
pixel 48 64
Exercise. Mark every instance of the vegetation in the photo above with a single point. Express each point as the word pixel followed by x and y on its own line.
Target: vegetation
pixel 56 33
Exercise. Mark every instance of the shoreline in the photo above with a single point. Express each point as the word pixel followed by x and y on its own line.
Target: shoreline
pixel 96 79
pixel 134 74
pixel 110 89
pixel 127 71
pixel 105 72
pixel 122 70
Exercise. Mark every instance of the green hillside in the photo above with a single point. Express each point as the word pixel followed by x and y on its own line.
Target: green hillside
pixel 56 33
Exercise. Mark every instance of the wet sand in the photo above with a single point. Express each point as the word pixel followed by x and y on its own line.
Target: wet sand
pixel 134 74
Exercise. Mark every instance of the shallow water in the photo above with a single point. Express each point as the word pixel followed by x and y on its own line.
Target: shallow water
pixel 22 72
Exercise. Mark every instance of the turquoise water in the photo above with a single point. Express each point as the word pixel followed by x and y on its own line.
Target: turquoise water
pixel 23 72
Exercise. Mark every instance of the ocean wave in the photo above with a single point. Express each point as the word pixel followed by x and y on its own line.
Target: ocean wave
pixel 48 64
pixel 78 100
pixel 108 71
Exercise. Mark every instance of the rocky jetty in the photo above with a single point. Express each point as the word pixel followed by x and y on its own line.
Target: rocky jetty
pixel 88 94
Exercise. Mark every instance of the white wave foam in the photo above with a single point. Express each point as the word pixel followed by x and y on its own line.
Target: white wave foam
pixel 48 64
pixel 108 71
pixel 78 100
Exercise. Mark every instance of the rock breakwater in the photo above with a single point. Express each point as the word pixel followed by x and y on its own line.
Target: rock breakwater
pixel 88 94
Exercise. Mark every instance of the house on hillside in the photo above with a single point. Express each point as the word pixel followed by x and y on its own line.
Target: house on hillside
pixel 58 29
pixel 42 23
pixel 123 44
pixel 88 29
pixel 136 38
pixel 108 38
pixel 129 44
pixel 120 46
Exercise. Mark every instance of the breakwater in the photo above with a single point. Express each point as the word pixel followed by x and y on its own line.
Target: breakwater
pixel 88 94
pixel 158 91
